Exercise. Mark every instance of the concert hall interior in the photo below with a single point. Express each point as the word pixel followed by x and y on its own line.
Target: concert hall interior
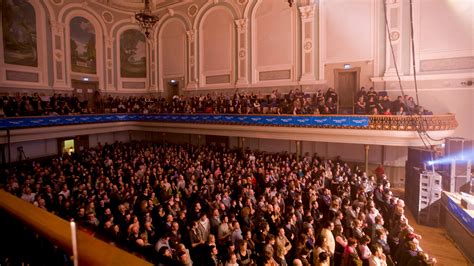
pixel 237 132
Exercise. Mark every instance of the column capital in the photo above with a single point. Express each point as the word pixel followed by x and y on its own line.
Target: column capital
pixel 109 41
pixel 307 12
pixel 57 27
pixel 241 25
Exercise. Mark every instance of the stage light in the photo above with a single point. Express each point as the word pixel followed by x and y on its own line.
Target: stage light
pixel 431 162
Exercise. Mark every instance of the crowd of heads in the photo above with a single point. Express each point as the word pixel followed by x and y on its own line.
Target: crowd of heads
pixel 374 103
pixel 187 205
pixel 295 102
pixel 36 105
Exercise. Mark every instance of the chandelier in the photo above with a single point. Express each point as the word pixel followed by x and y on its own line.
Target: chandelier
pixel 145 19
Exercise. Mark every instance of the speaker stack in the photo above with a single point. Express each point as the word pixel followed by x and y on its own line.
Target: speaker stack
pixel 457 170
pixel 423 186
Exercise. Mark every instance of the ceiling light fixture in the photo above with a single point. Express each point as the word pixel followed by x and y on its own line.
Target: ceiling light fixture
pixel 146 20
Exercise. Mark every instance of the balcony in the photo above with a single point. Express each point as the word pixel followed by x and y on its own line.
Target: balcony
pixel 377 130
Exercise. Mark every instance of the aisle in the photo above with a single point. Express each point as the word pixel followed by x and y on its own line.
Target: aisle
pixel 436 243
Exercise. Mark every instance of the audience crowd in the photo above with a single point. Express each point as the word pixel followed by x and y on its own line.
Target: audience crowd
pixel 186 205
pixel 295 102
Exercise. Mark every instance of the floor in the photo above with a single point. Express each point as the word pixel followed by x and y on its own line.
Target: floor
pixel 436 242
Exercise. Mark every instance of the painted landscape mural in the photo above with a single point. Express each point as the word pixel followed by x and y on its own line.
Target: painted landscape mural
pixel 83 52
pixel 132 54
pixel 19 33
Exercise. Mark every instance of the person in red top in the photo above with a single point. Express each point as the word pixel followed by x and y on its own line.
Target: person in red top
pixel 379 171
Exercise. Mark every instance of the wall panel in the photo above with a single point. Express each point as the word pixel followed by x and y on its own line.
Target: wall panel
pixel 349 30
pixel 173 40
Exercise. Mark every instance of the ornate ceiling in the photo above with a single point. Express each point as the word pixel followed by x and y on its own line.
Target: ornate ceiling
pixel 135 5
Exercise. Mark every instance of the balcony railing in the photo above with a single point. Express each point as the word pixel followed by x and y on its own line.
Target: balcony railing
pixel 413 122
pixel 387 122
pixel 57 232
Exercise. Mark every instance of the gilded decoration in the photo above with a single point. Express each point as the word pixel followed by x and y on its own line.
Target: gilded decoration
pixel 413 122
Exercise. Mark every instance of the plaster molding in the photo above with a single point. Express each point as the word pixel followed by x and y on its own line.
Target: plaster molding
pixel 241 25
pixel 307 12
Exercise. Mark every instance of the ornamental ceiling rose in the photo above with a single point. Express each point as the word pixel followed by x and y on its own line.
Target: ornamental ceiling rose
pixel 136 5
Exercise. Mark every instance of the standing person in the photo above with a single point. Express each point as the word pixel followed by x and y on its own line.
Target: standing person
pixel 350 257
pixel 378 257
pixel 244 255
pixel 326 233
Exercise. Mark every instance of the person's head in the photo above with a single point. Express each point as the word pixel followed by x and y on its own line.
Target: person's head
pixel 213 250
pixel 352 242
pixel 232 258
pixel 365 240
pixel 297 262
pixel 323 256
pixel 376 249
pixel 329 225
pixel 271 239
pixel 243 245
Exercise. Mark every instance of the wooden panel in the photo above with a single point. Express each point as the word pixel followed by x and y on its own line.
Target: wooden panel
pixel 91 250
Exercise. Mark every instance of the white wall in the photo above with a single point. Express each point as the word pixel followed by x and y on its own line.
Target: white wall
pixel 34 149
pixel 446 28
pixel 108 138
pixel 173 40
pixel 348 30
pixel 273 36
pixel 217 38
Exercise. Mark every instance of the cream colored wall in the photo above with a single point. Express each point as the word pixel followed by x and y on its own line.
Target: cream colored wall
pixel 173 49
pixel 217 41
pixel 348 30
pixel 453 21
pixel 273 36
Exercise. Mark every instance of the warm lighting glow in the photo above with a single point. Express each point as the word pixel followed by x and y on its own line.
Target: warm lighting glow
pixel 74 243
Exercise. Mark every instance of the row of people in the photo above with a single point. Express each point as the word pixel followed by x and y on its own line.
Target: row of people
pixel 295 102
pixel 373 103
pixel 184 205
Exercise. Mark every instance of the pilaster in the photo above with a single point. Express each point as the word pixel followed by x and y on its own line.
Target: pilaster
pixel 308 43
pixel 192 69
pixel 59 58
pixel 242 73
pixel 394 20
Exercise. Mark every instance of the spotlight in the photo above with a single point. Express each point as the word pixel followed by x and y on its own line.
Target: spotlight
pixel 431 162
